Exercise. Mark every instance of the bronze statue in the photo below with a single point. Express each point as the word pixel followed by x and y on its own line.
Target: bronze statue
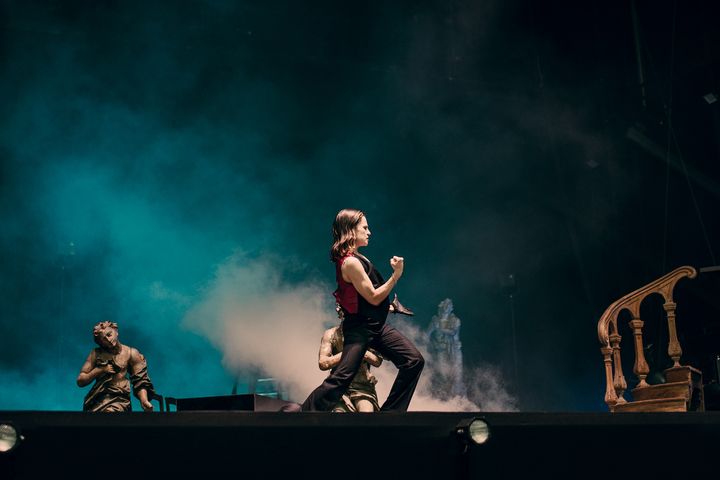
pixel 109 365
pixel 360 395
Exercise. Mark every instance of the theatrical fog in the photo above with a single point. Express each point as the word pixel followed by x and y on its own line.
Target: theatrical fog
pixel 176 169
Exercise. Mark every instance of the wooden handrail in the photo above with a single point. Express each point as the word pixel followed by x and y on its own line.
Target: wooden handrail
pixel 663 285
pixel 609 337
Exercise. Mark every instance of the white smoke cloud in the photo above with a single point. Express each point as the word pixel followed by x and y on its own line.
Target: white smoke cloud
pixel 263 323
pixel 260 322
pixel 486 389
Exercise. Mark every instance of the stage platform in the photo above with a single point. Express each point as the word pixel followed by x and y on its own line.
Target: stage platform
pixel 415 445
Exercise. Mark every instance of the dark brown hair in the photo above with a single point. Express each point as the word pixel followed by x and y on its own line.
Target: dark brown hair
pixel 343 231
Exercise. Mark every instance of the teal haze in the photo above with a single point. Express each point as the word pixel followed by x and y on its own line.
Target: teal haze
pixel 175 167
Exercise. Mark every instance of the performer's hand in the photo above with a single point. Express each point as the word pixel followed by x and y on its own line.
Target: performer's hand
pixel 397 264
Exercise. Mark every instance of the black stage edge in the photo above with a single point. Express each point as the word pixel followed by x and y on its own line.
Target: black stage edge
pixel 415 445
pixel 247 402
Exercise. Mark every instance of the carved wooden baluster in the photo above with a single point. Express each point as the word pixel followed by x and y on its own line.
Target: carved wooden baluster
pixel 674 349
pixel 610 396
pixel 641 369
pixel 619 380
pixel 610 340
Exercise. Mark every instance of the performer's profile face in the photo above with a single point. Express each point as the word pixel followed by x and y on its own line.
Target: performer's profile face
pixel 108 339
pixel 362 233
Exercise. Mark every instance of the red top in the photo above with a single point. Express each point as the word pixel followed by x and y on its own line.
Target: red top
pixel 346 295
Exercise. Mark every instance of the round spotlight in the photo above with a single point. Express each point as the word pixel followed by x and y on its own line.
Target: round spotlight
pixel 473 430
pixel 9 437
pixel 479 431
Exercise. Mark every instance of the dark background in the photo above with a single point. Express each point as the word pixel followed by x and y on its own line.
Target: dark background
pixel 499 146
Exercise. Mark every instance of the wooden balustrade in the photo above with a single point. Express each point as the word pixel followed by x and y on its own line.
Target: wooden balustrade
pixel 609 335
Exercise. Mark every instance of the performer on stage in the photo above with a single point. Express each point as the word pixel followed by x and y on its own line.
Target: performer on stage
pixel 109 365
pixel 363 297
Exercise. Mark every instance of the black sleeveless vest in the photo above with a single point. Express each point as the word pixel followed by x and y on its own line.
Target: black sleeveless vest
pixel 372 316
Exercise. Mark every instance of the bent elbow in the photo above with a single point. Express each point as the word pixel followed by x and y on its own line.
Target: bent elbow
pixel 375 301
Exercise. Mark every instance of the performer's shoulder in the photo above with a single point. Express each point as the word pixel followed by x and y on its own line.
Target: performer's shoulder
pixel 351 261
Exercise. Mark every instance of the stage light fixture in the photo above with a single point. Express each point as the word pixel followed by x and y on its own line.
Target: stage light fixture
pixel 473 431
pixel 9 437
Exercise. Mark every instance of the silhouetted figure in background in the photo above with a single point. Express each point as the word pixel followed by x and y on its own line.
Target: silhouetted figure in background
pixel 446 348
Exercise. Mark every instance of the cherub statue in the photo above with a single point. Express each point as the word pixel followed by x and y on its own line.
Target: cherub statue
pixel 109 365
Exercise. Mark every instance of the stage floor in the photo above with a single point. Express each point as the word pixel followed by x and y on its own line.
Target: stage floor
pixel 370 446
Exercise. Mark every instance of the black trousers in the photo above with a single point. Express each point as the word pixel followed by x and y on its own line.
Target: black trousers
pixel 389 343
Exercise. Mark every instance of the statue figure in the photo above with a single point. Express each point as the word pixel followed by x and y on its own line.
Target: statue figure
pixel 360 395
pixel 109 365
pixel 445 346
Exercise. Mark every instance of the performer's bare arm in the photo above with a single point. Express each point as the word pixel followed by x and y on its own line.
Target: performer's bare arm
pixel 353 272
pixel 90 372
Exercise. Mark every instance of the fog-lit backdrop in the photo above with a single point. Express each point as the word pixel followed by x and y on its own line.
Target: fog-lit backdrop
pixel 176 167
